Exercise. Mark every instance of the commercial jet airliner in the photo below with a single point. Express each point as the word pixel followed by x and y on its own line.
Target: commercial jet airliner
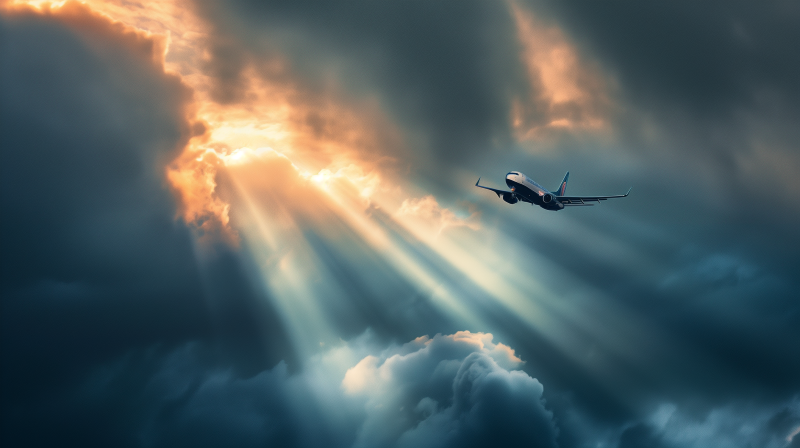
pixel 526 190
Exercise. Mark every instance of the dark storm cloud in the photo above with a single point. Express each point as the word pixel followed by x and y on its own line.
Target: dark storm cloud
pixel 639 435
pixel 446 70
pixel 85 203
pixel 94 263
pixel 490 406
pixel 449 391
pixel 713 56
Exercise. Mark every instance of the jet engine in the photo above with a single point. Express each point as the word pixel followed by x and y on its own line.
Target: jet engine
pixel 547 198
pixel 511 198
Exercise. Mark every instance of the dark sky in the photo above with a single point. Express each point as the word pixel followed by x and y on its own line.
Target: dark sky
pixel 268 235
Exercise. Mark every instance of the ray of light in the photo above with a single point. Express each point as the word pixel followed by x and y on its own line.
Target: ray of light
pixel 274 229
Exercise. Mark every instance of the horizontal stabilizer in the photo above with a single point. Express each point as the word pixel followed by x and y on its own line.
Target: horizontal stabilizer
pixel 582 200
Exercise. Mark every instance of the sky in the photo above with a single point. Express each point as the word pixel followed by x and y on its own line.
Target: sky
pixel 254 223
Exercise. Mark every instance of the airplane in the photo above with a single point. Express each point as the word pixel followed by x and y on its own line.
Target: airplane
pixel 526 190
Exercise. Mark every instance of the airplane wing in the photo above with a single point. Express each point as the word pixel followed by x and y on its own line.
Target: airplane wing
pixel 582 200
pixel 499 193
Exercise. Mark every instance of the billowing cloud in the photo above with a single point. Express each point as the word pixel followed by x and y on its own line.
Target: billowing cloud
pixel 450 391
pixel 445 391
pixel 729 426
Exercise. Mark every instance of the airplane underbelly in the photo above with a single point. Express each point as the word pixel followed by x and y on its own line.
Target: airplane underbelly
pixel 525 191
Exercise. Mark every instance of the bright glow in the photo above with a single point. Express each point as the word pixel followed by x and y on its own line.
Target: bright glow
pixel 574 91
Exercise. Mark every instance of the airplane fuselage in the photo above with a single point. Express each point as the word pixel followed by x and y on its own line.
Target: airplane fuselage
pixel 524 189
pixel 530 191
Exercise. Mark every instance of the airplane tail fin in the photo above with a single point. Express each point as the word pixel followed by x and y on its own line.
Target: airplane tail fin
pixel 562 189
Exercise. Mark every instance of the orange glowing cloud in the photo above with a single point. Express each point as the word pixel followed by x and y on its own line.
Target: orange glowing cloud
pixel 344 143
pixel 317 148
pixel 87 21
pixel 321 132
pixel 569 93
pixel 193 177
pixel 375 375
pixel 318 130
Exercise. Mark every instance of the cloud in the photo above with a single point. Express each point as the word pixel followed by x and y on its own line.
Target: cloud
pixel 455 390
pixel 446 391
pixel 94 262
pixel 639 435
pixel 89 121
pixel 713 272
pixel 731 426
pixel 568 93
pixel 444 87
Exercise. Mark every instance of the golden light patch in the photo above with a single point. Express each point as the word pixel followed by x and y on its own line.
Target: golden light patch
pixel 338 146
pixel 193 177
pixel 572 91
pixel 360 377
pixel 371 375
